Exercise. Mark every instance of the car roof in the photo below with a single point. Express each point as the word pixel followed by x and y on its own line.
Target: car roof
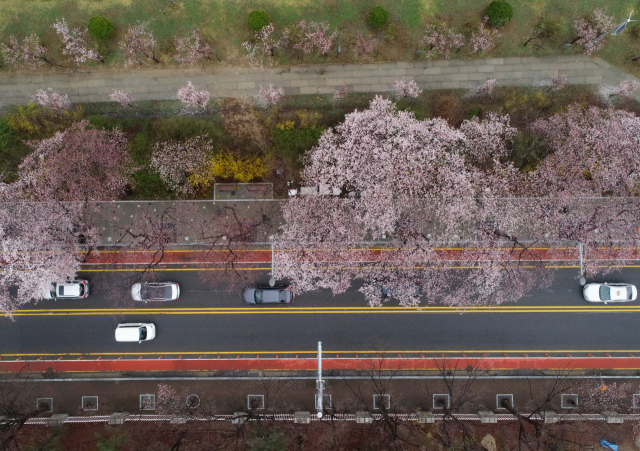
pixel 128 333
pixel 69 289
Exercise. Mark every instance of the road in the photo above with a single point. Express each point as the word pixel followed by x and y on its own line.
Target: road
pixel 205 322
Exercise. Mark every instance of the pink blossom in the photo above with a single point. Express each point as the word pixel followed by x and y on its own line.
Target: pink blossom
pixel 485 89
pixel 315 35
pixel 261 52
pixel 441 41
pixel 30 53
pixel 340 93
pixel 51 99
pixel 364 46
pixel 192 97
pixel 597 395
pixel 191 49
pixel 598 25
pixel 176 161
pixel 483 39
pixel 138 43
pixel 68 167
pixel 123 98
pixel 74 44
pixel 557 83
pixel 271 96
pixel 402 88
pixel 167 401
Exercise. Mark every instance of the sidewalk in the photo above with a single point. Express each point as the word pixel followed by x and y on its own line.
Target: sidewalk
pixel 85 87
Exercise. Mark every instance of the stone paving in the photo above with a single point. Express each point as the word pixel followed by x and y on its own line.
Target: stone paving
pixel 85 87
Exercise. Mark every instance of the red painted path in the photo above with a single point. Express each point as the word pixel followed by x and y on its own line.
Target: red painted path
pixel 573 363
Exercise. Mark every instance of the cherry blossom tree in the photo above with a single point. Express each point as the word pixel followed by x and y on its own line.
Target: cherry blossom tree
pixel 123 98
pixel 74 44
pixel 193 98
pixel 270 96
pixel 191 49
pixel 39 244
pixel 314 35
pixel 77 164
pixel 176 162
pixel 51 99
pixel 484 89
pixel 556 83
pixel 138 43
pixel 597 395
pixel 340 93
pixel 261 52
pixel 403 88
pixel 364 46
pixel 441 41
pixel 484 38
pixel 625 89
pixel 30 53
pixel 589 30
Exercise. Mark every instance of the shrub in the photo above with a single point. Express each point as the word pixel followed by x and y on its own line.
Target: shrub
pixel 499 13
pixel 258 19
pixel 12 151
pixel 226 166
pixel 527 151
pixel 378 16
pixel 31 121
pixel 101 27
pixel 391 33
pixel 448 108
pixel 293 143
pixel 307 119
pixel 241 122
pixel 148 185
pixel 474 111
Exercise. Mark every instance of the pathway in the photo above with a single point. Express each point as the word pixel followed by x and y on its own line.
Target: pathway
pixel 84 87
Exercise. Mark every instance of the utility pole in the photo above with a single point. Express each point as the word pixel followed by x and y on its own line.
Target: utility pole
pixel 320 383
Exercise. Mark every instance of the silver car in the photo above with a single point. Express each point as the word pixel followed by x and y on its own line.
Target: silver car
pixel 78 289
pixel 610 292
pixel 155 291
pixel 268 295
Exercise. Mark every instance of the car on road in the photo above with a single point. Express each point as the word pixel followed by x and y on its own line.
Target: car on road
pixel 78 289
pixel 279 294
pixel 155 291
pixel 131 332
pixel 610 292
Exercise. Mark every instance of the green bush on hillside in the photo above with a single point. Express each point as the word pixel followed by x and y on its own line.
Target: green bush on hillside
pixel 101 27
pixel 258 19
pixel 499 13
pixel 378 17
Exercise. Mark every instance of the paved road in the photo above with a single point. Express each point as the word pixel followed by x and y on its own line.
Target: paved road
pixel 206 322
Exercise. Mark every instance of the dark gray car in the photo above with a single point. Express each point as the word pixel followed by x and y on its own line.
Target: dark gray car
pixel 268 295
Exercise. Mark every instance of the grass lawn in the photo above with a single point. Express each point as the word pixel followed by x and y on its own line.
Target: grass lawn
pixel 308 116
pixel 224 24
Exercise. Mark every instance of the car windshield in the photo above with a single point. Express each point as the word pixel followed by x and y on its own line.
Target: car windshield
pixel 143 333
pixel 629 293
pixel 81 289
pixel 61 290
pixel 258 296
pixel 605 293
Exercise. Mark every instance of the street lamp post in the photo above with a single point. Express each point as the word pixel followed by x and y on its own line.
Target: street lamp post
pixel 320 384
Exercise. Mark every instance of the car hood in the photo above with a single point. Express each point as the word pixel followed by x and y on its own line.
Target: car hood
pixel 592 292
pixel 250 295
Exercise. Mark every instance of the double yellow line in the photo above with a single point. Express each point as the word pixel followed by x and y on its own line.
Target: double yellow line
pixel 288 310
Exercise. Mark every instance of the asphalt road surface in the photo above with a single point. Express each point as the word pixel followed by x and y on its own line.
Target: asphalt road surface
pixel 208 322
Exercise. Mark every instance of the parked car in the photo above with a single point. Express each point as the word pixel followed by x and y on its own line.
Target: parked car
pixel 78 289
pixel 130 332
pixel 610 292
pixel 155 291
pixel 279 294
pixel 387 291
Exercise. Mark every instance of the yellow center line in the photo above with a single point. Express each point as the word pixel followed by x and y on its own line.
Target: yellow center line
pixel 327 310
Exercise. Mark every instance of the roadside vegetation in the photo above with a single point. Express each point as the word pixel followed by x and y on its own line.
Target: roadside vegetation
pixel 363 30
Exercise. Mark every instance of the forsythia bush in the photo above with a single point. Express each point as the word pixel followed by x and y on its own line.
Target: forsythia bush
pixel 286 125
pixel 226 166
pixel 32 119
pixel 308 120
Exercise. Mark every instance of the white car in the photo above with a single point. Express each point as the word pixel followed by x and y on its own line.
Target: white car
pixel 131 332
pixel 78 289
pixel 610 292
pixel 155 291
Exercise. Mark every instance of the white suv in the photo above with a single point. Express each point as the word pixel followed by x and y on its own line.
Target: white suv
pixel 130 332
pixel 78 289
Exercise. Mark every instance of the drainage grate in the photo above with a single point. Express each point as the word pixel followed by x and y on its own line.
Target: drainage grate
pixel 255 402
pixel 90 402
pixel 381 400
pixel 440 401
pixel 148 402
pixel 504 401
pixel 44 404
pixel 569 401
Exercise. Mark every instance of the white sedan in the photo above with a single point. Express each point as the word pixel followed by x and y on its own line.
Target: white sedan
pixel 155 291
pixel 610 292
